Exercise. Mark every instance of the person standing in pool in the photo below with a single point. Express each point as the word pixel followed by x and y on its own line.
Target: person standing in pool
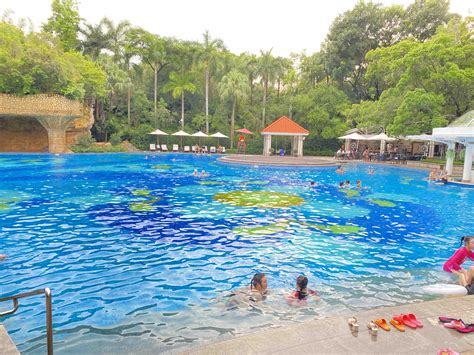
pixel 453 264
pixel 256 292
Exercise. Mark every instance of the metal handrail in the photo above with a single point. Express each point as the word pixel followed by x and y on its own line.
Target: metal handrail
pixel 49 312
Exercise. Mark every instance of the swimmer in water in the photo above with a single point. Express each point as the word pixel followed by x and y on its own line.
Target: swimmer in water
pixel 195 173
pixel 302 293
pixel 2 257
pixel 256 292
pixel 340 170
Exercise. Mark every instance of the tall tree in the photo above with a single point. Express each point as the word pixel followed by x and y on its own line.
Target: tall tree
pixel 233 86
pixel 423 17
pixel 208 56
pixel 64 22
pixel 95 39
pixel 152 51
pixel 266 69
pixel 179 84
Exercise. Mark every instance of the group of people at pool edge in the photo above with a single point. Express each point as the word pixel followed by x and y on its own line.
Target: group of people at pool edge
pixel 258 289
pixel 438 176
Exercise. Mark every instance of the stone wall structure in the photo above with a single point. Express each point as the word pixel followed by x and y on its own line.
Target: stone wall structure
pixel 42 123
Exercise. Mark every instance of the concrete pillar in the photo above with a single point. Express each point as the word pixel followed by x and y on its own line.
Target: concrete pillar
pixel 466 175
pixel 431 149
pixel 450 158
pixel 267 144
pixel 56 129
pixel 300 146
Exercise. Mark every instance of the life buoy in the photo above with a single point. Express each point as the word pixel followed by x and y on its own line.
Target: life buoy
pixel 445 289
pixel 353 145
pixel 424 148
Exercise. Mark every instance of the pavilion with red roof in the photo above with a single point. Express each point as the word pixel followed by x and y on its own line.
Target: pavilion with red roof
pixel 284 126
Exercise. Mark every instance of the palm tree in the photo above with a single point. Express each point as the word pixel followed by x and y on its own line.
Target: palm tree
pixel 96 39
pixel 179 84
pixel 208 56
pixel 117 36
pixel 152 51
pixel 234 86
pixel 266 68
pixel 249 67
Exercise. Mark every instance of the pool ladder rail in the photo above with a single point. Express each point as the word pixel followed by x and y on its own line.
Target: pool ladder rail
pixel 49 313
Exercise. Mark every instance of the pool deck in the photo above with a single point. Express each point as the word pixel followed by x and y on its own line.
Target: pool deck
pixel 333 336
pixel 7 347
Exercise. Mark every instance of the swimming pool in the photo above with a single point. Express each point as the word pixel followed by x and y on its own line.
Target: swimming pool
pixel 138 252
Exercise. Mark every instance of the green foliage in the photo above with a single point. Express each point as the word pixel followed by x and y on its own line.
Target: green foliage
pixel 379 68
pixel 36 64
pixel 85 141
pixel 419 112
pixel 64 23
pixel 115 139
pixel 98 149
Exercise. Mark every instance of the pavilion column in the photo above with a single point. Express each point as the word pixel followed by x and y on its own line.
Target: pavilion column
pixel 56 129
pixel 466 175
pixel 450 158
pixel 347 144
pixel 267 143
pixel 300 146
pixel 431 149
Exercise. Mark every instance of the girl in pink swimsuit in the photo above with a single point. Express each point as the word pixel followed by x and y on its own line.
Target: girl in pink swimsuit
pixel 454 263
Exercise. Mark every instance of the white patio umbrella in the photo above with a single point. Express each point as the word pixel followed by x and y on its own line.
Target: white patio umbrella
pixel 181 134
pixel 354 136
pixel 218 135
pixel 200 135
pixel 158 133
pixel 382 137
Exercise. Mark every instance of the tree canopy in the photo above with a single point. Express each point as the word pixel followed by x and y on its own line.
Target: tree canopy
pixel 403 70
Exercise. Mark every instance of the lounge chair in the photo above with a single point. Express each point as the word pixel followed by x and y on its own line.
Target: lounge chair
pixel 175 148
pixel 186 149
pixel 212 149
pixel 152 147
pixel 164 148
pixel 223 149
pixel 204 149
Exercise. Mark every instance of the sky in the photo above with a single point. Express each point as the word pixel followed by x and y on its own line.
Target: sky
pixel 285 26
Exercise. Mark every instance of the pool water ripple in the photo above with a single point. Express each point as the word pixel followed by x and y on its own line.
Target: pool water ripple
pixel 155 279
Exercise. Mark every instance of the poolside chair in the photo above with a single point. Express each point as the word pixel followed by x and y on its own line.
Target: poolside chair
pixel 152 147
pixel 223 149
pixel 204 149
pixel 186 149
pixel 164 148
pixel 212 149
pixel 175 148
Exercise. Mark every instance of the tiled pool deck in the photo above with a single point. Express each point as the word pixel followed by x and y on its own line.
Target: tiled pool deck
pixel 333 336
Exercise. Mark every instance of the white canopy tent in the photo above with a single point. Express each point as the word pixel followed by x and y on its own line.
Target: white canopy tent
pixel 158 133
pixel 460 131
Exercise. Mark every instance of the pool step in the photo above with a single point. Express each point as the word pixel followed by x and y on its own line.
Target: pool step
pixel 7 347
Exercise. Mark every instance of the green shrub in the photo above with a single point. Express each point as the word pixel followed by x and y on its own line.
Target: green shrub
pixel 98 149
pixel 115 139
pixel 85 141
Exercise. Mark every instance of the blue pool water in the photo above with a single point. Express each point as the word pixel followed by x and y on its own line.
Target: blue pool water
pixel 139 253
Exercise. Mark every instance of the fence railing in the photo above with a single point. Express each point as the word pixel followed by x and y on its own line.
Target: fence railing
pixel 49 312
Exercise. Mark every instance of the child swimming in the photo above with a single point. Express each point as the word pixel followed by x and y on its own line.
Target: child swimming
pixel 246 296
pixel 453 264
pixel 302 292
